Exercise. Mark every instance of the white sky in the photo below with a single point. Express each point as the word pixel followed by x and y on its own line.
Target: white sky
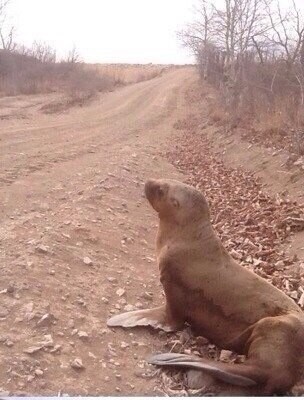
pixel 128 31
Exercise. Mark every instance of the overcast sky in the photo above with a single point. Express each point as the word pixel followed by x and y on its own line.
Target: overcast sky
pixel 131 31
pixel 128 31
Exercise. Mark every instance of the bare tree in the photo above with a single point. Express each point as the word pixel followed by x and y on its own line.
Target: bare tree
pixel 7 40
pixel 73 56
pixel 287 31
pixel 43 52
pixel 6 33
pixel 198 37
pixel 3 5
pixel 230 31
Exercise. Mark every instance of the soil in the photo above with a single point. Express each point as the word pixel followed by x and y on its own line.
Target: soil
pixel 77 235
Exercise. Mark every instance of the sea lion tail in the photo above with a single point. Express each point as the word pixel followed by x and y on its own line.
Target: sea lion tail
pixel 155 317
pixel 229 373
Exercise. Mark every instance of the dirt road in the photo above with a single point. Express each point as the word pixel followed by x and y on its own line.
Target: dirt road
pixel 77 238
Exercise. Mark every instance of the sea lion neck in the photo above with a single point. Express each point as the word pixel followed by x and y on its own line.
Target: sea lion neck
pixel 196 230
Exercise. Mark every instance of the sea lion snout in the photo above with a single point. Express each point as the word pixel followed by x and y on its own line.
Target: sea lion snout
pixel 150 186
pixel 153 189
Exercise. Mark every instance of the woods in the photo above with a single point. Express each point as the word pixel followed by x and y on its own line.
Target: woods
pixel 253 52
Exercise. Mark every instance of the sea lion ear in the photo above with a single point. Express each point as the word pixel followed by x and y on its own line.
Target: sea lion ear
pixel 175 203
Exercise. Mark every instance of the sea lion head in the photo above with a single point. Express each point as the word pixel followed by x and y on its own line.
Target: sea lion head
pixel 176 202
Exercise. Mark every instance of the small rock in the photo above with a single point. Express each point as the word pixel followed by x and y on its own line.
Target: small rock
pixel 77 364
pixel 56 348
pixel 124 345
pixel 83 335
pixel 185 336
pixel 148 295
pixel 30 378
pixel 48 341
pixel 294 295
pixel 10 289
pixel 46 320
pixel 3 312
pixel 198 379
pixel 111 279
pixel 280 264
pixel 240 359
pixel 71 323
pixel 225 355
pixel 87 261
pixel 235 254
pixel 42 249
pixel 120 292
pixel 32 349
pixel 38 372
pixel 129 307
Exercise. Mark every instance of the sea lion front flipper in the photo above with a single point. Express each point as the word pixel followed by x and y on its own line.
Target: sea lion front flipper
pixel 239 375
pixel 155 317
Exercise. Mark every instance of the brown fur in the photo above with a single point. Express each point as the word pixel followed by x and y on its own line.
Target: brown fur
pixel 228 304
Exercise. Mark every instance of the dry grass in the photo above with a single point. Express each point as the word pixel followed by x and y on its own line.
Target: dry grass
pixel 124 74
pixel 217 114
pixel 25 74
pixel 272 125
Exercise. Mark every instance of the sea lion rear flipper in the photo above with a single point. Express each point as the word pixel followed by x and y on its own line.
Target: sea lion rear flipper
pixel 239 375
pixel 155 317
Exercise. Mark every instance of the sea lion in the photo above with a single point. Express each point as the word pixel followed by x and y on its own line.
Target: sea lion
pixel 221 300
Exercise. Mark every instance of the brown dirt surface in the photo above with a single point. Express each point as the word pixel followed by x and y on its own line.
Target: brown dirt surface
pixel 77 235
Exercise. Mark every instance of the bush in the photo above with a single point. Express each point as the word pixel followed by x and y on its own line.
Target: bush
pixel 25 74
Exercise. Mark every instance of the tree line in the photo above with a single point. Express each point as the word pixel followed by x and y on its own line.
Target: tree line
pixel 253 51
